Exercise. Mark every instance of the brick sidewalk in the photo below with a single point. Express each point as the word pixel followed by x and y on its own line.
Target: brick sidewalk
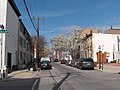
pixel 113 64
pixel 110 68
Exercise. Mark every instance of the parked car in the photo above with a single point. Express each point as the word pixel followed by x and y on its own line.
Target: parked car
pixel 63 61
pixel 45 59
pixel 79 62
pixel 56 60
pixel 45 64
pixel 73 63
pixel 85 63
pixel 68 62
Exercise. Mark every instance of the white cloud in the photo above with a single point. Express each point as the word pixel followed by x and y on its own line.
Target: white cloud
pixel 102 7
pixel 115 19
pixel 64 29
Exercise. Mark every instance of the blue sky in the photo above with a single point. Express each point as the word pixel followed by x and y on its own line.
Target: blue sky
pixel 60 15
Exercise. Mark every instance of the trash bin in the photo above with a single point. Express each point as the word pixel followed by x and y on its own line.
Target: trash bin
pixel 106 60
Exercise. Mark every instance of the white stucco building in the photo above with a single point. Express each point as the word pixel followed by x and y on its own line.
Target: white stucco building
pixel 14 51
pixel 108 43
pixel 9 18
pixel 95 43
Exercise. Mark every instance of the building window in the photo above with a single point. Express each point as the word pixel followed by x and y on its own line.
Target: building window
pixel 21 28
pixel 20 54
pixel 27 46
pixel 24 42
pixel 20 40
pixel 24 55
pixel 24 31
pixel 27 56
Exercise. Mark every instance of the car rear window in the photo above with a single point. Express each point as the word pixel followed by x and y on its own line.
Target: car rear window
pixel 89 59
pixel 45 62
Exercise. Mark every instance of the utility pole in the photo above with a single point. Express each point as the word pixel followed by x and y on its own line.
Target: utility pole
pixel 37 46
pixel 37 42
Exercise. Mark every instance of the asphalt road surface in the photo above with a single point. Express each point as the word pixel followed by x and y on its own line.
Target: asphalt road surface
pixel 62 77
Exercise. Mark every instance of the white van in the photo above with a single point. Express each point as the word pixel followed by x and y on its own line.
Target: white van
pixel 45 59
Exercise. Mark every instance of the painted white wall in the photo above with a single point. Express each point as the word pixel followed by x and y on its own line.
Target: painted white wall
pixel 12 35
pixel 108 40
pixel 3 5
pixel 10 20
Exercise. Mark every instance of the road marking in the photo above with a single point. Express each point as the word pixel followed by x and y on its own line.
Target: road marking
pixel 33 87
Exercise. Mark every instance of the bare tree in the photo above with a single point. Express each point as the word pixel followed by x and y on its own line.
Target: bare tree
pixel 42 43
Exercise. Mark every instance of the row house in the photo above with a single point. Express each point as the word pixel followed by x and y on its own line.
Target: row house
pixel 112 31
pixel 95 44
pixel 12 54
pixel 25 46
pixel 86 47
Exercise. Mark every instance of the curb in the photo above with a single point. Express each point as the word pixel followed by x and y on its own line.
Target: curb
pixel 106 71
pixel 16 73
pixel 23 71
pixel 98 69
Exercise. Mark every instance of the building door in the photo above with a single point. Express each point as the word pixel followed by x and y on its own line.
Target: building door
pixel 9 55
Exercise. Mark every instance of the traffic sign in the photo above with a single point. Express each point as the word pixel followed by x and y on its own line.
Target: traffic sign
pixel 3 31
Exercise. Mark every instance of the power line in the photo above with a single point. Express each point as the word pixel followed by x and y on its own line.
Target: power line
pixel 43 11
pixel 43 8
pixel 32 8
pixel 35 8
pixel 29 15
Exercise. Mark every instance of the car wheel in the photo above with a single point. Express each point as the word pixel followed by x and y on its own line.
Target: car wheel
pixel 81 68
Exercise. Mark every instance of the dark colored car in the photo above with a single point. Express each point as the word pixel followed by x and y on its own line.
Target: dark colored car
pixel 78 65
pixel 73 63
pixel 56 60
pixel 63 61
pixel 46 65
pixel 85 63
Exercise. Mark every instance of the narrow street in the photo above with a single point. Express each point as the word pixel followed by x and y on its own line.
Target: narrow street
pixel 63 77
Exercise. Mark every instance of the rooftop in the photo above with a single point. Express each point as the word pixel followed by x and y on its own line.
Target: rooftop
pixel 13 5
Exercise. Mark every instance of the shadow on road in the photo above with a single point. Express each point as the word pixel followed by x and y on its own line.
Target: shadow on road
pixel 19 84
pixel 56 87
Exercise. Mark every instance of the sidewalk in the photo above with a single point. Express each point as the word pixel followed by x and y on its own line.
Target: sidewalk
pixel 111 68
pixel 21 74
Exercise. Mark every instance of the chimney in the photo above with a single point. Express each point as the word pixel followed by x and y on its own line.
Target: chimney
pixel 111 27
